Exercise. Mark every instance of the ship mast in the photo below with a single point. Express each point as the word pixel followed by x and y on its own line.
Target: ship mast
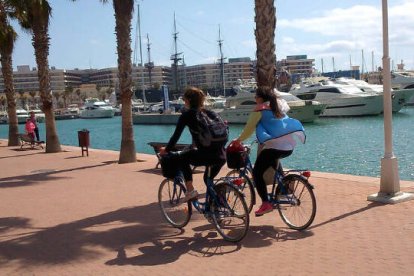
pixel 142 64
pixel 150 64
pixel 223 84
pixel 175 58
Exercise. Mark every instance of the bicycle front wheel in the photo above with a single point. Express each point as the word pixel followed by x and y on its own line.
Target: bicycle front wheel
pixel 246 187
pixel 170 198
pixel 297 203
pixel 229 212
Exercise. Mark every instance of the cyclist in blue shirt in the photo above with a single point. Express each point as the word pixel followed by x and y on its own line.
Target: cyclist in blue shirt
pixel 275 132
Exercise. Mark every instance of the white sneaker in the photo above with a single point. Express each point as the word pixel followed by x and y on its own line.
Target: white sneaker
pixel 190 195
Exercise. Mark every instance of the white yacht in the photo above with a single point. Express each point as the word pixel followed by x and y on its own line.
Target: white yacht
pixel 73 109
pixel 341 99
pixel 403 80
pixel 22 115
pixel 399 97
pixel 95 108
pixel 239 107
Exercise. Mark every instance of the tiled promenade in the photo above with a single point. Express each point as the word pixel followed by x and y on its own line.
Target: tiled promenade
pixel 63 214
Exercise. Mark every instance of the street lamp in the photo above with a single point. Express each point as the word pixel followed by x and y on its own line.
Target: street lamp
pixel 390 180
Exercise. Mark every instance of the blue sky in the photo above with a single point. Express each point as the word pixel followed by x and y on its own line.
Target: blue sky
pixel 82 32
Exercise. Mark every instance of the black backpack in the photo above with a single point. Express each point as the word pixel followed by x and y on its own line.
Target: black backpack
pixel 211 129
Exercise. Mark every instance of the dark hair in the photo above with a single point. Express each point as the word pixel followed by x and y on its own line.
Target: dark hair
pixel 195 97
pixel 268 95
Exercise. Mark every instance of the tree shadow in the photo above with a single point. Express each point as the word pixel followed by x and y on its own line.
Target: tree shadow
pixel 21 155
pixel 343 216
pixel 13 222
pixel 43 175
pixel 116 230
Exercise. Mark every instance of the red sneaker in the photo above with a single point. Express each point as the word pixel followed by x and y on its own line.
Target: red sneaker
pixel 266 207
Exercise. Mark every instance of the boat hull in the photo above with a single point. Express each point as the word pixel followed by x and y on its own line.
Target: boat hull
pixel 155 119
pixel 353 106
pixel 306 113
pixel 97 113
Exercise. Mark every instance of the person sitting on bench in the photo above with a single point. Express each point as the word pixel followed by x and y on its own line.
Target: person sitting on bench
pixel 36 129
pixel 30 127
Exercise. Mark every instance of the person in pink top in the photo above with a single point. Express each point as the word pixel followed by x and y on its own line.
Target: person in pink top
pixel 30 128
pixel 36 129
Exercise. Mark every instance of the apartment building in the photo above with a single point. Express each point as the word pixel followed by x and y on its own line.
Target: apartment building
pixel 297 64
pixel 209 76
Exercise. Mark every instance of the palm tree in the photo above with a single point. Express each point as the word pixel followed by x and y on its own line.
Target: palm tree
pixel 67 94
pixel 7 38
pixel 33 16
pixel 123 17
pixel 33 95
pixel 78 93
pixel 57 96
pixel 21 93
pixel 265 41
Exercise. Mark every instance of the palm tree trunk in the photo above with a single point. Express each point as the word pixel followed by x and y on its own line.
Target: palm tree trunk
pixel 41 45
pixel 7 70
pixel 265 41
pixel 6 49
pixel 123 16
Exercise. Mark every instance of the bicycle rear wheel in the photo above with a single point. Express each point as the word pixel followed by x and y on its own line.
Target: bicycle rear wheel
pixel 229 212
pixel 170 198
pixel 297 203
pixel 246 187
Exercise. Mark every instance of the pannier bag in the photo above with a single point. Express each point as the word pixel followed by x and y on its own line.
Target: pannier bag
pixel 170 165
pixel 236 155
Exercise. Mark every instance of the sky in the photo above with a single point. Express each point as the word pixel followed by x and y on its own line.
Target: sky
pixel 336 34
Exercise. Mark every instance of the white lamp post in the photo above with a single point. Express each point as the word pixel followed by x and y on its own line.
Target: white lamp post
pixel 390 180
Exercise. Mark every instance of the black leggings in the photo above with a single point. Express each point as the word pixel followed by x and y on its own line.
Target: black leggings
pixel 197 158
pixel 36 131
pixel 266 159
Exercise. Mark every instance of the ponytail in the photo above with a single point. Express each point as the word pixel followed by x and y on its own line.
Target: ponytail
pixel 268 95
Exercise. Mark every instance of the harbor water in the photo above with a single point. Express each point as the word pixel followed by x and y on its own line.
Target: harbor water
pixel 341 145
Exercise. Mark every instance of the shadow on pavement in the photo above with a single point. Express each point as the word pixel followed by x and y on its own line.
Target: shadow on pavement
pixel 140 227
pixel 42 176
pixel 20 155
pixel 343 216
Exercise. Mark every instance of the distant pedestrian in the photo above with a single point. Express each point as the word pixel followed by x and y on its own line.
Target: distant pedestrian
pixel 30 127
pixel 36 130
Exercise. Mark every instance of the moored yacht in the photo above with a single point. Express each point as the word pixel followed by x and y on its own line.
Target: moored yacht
pixel 341 99
pixel 95 108
pixel 239 107
pixel 399 97
pixel 22 115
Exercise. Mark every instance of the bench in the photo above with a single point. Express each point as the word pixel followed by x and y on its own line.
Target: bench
pixel 158 145
pixel 26 140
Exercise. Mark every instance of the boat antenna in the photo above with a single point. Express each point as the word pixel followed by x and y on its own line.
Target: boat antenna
pixel 372 61
pixel 140 54
pixel 175 58
pixel 322 64
pixel 150 64
pixel 223 83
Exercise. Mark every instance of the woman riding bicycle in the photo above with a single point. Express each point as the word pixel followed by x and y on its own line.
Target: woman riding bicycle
pixel 275 132
pixel 213 155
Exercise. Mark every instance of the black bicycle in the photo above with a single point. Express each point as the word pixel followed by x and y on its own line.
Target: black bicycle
pixel 292 193
pixel 223 205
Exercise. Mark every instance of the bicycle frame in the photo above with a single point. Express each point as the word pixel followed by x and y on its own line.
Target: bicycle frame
pixel 278 182
pixel 201 207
